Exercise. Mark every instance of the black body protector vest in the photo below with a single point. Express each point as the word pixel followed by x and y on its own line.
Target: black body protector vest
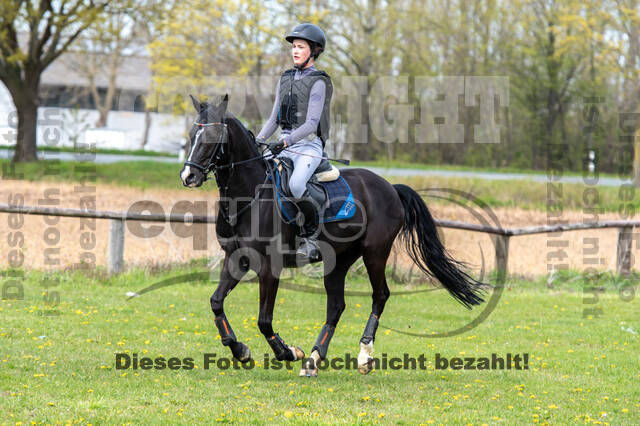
pixel 294 101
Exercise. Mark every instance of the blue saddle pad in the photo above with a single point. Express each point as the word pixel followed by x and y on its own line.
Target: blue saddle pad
pixel 341 204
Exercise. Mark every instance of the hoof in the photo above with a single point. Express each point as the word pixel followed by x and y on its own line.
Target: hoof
pixel 241 352
pixel 309 373
pixel 366 367
pixel 297 353
pixel 309 369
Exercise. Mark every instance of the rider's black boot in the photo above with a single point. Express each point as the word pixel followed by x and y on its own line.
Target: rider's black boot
pixel 309 250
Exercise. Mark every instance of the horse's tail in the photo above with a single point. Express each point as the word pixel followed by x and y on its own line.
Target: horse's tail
pixel 421 239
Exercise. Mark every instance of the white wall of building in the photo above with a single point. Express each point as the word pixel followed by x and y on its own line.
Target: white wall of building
pixel 124 130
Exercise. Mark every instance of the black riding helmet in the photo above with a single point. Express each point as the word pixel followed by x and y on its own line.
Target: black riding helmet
pixel 312 34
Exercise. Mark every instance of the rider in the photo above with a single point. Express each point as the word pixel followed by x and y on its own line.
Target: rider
pixel 302 91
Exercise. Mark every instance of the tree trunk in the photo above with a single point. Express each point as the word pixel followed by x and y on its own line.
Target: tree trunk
pixel 103 114
pixel 147 126
pixel 26 101
pixel 26 143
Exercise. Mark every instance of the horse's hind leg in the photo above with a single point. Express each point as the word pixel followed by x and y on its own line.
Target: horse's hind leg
pixel 229 278
pixel 334 286
pixel 375 260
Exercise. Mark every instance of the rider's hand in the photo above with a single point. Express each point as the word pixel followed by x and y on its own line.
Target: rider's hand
pixel 277 147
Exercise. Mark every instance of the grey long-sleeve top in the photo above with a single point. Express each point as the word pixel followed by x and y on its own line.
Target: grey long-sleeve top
pixel 314 111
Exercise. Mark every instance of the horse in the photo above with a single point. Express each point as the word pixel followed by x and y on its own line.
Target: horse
pixel 253 237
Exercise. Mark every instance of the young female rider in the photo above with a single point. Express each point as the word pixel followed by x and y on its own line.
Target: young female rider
pixel 301 109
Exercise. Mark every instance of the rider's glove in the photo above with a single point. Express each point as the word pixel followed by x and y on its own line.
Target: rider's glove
pixel 277 147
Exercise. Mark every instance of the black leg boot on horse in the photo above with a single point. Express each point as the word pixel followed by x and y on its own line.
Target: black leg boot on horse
pixel 308 251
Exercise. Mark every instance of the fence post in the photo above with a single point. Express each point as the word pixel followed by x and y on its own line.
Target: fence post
pixel 115 259
pixel 623 261
pixel 501 243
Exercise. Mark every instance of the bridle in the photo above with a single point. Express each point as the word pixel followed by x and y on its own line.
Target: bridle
pixel 211 164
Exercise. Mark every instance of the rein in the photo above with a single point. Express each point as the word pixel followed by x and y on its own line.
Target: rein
pixel 212 166
pixel 232 219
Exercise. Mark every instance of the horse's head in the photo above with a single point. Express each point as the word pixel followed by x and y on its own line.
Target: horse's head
pixel 209 137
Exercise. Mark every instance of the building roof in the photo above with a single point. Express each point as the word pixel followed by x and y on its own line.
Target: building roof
pixel 134 73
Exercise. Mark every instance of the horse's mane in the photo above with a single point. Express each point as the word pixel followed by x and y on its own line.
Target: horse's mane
pixel 247 133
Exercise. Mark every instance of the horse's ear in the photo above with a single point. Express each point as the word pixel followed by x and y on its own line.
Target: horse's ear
pixel 225 101
pixel 196 104
pixel 226 98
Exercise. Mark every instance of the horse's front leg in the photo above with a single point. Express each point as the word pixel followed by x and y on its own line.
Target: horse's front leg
pixel 231 274
pixel 334 285
pixel 269 281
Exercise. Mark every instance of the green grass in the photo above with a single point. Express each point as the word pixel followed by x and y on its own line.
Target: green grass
pixel 453 167
pixel 61 368
pixel 532 195
pixel 496 193
pixel 140 174
pixel 139 152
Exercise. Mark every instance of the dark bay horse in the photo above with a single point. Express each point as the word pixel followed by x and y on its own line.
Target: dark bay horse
pixel 253 236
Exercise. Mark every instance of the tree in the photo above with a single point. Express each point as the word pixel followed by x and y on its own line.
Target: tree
pixel 119 31
pixel 628 23
pixel 205 45
pixel 184 53
pixel 362 40
pixel 51 27
pixel 546 59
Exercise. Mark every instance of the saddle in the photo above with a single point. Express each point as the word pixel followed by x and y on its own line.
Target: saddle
pixel 325 172
pixel 326 187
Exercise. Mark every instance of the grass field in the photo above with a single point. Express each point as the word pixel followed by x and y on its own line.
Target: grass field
pixel 139 152
pixel 60 368
pixel 515 193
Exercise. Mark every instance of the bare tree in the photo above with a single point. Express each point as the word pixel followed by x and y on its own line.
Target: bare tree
pixel 52 27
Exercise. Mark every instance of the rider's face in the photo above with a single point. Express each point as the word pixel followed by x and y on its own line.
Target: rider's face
pixel 300 51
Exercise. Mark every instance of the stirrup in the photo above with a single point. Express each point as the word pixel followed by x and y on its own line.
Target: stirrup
pixel 309 250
